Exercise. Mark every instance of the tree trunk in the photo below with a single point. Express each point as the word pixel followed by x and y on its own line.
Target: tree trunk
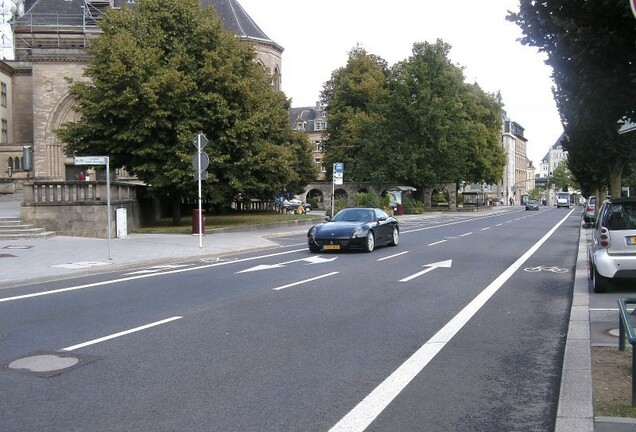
pixel 615 177
pixel 176 210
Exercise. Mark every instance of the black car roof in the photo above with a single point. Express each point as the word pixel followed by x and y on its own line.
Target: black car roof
pixel 622 200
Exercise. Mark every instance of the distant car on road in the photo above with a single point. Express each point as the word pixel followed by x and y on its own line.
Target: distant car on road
pixel 532 205
pixel 590 210
pixel 612 254
pixel 563 199
pixel 354 228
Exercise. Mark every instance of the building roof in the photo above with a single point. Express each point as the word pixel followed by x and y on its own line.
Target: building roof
pixel 308 115
pixel 236 20
pixel 559 142
pixel 231 13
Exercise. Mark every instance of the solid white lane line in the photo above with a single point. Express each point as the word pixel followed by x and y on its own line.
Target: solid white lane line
pixel 393 256
pixel 437 242
pixel 305 281
pixel 143 276
pixel 361 416
pixel 123 333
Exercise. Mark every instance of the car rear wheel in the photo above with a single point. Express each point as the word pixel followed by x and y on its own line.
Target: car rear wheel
pixel 601 284
pixel 313 248
pixel 370 245
pixel 395 237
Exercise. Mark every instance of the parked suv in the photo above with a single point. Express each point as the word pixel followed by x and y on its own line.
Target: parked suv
pixel 612 254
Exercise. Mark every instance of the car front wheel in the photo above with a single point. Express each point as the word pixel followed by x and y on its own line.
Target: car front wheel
pixel 370 242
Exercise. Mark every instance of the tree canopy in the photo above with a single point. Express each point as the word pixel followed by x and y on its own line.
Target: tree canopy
pixel 416 122
pixel 590 47
pixel 165 70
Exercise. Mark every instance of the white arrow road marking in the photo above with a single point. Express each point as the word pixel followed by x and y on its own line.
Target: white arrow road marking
pixel 157 269
pixel 311 260
pixel 431 267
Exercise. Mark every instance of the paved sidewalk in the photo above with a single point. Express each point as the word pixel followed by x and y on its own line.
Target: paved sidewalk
pixel 63 256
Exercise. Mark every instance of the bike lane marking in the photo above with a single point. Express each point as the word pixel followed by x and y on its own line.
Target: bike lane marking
pixel 363 414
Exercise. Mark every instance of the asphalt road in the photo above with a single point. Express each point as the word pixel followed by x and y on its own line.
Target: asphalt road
pixel 460 327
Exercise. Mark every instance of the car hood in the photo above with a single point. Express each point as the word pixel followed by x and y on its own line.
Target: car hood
pixel 337 228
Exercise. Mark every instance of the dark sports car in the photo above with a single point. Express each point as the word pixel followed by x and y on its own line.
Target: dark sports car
pixel 355 228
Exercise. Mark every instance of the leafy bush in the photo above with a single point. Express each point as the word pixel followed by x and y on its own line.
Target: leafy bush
pixel 368 199
pixel 411 206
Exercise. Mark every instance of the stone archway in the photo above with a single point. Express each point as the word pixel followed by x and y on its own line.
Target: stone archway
pixel 450 189
pixel 56 158
pixel 316 198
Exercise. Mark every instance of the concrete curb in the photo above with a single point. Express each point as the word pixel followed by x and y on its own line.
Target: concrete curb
pixel 575 412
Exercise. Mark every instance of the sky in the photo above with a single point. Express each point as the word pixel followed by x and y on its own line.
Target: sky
pixel 317 37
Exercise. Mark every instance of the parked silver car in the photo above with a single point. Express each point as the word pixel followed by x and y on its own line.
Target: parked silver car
pixel 590 210
pixel 612 254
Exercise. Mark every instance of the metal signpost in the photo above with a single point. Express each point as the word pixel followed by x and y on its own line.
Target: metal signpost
pixel 200 163
pixel 338 174
pixel 100 160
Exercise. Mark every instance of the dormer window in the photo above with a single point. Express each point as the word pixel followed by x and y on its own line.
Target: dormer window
pixel 300 125
pixel 320 125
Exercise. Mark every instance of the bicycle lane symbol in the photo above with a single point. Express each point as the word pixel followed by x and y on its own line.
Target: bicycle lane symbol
pixel 551 269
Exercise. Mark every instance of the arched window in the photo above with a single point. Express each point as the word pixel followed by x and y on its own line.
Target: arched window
pixel 10 163
pixel 276 79
pixel 18 164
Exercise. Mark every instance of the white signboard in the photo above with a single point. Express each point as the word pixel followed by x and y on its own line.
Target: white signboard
pixel 90 160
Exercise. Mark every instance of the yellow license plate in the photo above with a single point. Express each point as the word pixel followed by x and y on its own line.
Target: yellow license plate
pixel 631 241
pixel 332 247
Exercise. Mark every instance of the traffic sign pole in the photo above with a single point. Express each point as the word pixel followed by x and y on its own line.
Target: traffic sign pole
pixel 200 204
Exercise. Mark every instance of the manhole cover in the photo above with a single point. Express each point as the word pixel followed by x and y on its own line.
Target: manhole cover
pixel 615 332
pixel 48 364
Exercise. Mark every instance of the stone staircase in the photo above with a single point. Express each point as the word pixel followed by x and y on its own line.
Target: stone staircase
pixel 12 228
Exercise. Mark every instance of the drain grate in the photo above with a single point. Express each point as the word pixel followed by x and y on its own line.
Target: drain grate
pixel 48 364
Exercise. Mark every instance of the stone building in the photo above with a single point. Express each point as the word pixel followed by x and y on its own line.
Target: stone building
pixel 313 122
pixel 518 178
pixel 50 41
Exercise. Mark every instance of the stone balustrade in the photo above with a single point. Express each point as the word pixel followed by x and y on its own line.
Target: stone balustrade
pixel 79 208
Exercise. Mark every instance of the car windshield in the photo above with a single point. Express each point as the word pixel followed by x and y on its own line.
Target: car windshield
pixel 532 202
pixel 353 215
pixel 621 216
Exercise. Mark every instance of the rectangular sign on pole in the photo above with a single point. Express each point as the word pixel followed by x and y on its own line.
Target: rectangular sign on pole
pixel 90 160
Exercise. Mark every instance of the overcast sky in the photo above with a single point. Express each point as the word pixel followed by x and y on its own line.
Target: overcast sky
pixel 317 37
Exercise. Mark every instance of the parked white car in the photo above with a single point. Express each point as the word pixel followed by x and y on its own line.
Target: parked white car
pixel 612 254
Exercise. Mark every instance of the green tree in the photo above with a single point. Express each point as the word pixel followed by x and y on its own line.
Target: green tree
pixel 444 128
pixel 165 70
pixel 562 178
pixel 590 47
pixel 416 123
pixel 356 97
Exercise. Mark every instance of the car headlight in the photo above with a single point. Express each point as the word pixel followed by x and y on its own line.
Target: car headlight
pixel 357 232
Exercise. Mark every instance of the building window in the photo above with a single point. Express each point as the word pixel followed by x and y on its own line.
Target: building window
pixel 320 125
pixel 318 147
pixel 3 94
pixel 4 136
